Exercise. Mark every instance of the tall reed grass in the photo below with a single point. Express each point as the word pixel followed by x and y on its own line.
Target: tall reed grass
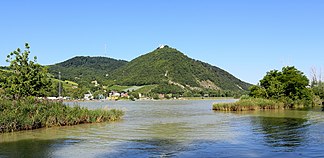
pixel 249 104
pixel 30 114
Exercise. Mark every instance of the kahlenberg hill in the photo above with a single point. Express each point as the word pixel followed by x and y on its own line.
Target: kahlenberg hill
pixel 165 67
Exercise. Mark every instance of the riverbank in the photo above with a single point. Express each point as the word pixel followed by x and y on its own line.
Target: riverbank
pixel 31 114
pixel 143 99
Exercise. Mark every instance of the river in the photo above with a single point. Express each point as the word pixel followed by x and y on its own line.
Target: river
pixel 175 128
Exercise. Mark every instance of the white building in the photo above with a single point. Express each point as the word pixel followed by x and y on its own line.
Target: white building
pixel 88 96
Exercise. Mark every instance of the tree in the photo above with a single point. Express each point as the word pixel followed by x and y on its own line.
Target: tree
pixel 28 78
pixel 272 84
pixel 294 82
pixel 289 84
pixel 318 89
pixel 99 94
pixel 258 92
pixel 317 83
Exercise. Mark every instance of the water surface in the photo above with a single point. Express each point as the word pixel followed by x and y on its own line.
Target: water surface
pixel 176 129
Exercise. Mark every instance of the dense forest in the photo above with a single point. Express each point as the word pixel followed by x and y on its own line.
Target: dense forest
pixel 86 69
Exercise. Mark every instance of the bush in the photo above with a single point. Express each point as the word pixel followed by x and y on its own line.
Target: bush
pixel 244 97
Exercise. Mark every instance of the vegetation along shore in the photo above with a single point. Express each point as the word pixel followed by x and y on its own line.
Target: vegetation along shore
pixel 27 114
pixel 23 99
pixel 249 104
pixel 286 89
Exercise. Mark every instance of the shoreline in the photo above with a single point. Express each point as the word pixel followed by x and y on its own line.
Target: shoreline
pixel 147 99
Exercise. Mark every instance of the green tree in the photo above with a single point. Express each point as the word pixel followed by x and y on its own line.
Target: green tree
pixel 28 77
pixel 271 84
pixel 99 93
pixel 135 95
pixel 258 92
pixel 290 85
pixel 294 83
pixel 78 93
pixel 318 89
pixel 317 84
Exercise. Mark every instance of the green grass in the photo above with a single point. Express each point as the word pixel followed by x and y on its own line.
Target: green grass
pixel 133 88
pixel 146 89
pixel 139 89
pixel 71 83
pixel 30 114
pixel 118 88
pixel 249 105
pixel 65 83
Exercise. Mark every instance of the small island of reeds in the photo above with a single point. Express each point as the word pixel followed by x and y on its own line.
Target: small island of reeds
pixel 249 105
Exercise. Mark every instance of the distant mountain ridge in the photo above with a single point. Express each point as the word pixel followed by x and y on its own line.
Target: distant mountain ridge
pixel 168 65
pixel 164 66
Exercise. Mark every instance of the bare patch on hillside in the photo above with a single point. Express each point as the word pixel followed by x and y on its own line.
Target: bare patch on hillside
pixel 208 85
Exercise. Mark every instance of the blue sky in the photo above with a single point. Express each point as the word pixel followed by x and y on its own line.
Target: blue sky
pixel 246 38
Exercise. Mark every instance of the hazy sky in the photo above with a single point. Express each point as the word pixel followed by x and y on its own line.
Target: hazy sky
pixel 244 37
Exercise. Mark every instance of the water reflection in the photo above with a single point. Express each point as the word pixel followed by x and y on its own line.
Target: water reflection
pixel 282 133
pixel 147 148
pixel 164 139
pixel 176 148
pixel 33 147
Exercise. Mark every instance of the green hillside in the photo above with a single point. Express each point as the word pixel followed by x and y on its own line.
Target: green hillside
pixel 168 66
pixel 164 70
pixel 86 69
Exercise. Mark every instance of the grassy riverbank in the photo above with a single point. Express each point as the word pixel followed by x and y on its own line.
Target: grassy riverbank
pixel 249 104
pixel 30 114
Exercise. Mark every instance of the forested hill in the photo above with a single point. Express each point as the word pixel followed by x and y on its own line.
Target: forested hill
pixel 86 69
pixel 169 66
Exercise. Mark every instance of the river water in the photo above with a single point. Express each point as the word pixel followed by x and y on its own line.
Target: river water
pixel 176 129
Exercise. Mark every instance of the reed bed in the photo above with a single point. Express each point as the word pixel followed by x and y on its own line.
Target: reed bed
pixel 249 104
pixel 30 114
